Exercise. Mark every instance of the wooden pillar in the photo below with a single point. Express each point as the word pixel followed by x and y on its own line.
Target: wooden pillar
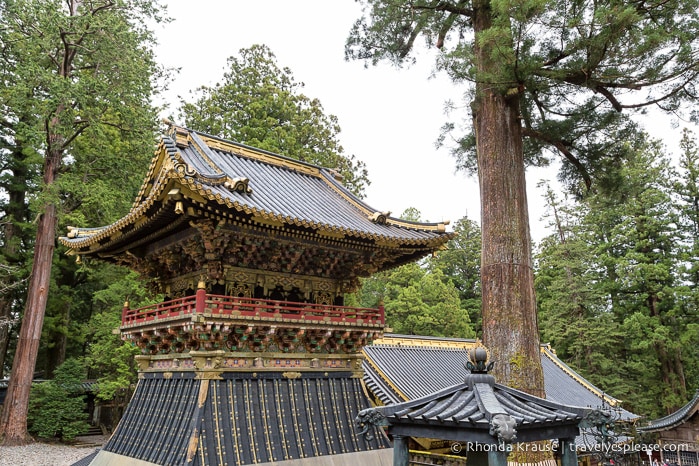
pixel 497 457
pixel 401 456
pixel 478 457
pixel 569 457
pixel 200 303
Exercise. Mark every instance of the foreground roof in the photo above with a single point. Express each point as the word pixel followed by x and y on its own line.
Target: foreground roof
pixel 194 175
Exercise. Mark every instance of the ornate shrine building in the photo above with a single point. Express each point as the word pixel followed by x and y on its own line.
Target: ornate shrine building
pixel 252 356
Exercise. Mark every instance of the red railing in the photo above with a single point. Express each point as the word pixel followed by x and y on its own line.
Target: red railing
pixel 232 307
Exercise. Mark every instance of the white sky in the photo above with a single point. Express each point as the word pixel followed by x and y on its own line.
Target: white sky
pixel 390 118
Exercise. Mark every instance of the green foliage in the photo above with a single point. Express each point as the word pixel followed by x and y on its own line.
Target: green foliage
pixel 418 302
pixel 260 104
pixel 574 67
pixel 460 264
pixel 421 303
pixel 421 299
pixel 612 289
pixel 110 358
pixel 76 87
pixel 57 407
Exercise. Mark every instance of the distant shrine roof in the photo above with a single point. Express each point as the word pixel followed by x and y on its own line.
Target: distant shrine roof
pixel 671 421
pixel 195 176
pixel 405 367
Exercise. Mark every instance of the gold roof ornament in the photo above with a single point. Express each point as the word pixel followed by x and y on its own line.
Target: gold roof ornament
pixel 380 218
pixel 478 359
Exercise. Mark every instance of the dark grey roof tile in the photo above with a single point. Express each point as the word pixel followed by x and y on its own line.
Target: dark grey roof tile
pixel 245 419
pixel 675 419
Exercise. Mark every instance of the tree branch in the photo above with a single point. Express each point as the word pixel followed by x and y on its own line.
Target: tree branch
pixel 609 96
pixel 563 149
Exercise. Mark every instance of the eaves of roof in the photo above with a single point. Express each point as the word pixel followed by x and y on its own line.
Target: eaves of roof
pixel 675 419
pixel 266 187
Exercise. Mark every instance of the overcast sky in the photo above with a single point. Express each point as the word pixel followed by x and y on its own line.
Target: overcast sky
pixel 390 118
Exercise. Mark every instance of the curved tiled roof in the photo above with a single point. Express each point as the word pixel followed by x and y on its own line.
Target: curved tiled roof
pixel 675 419
pixel 266 187
pixel 399 368
pixel 467 410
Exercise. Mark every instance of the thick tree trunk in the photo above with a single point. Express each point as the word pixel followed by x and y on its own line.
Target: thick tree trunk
pixel 510 326
pixel 13 424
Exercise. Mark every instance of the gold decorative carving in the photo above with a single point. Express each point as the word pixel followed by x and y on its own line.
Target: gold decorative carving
pixel 240 277
pixel 332 234
pixel 267 221
pixel 238 184
pixel 192 447
pixel 291 375
pixel 324 297
pixel 241 290
pixel 380 218
pixel 207 360
pixel 183 169
pixel 203 392
pixel 143 362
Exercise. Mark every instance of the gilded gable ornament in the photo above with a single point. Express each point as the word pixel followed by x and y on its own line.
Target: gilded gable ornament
pixel 380 218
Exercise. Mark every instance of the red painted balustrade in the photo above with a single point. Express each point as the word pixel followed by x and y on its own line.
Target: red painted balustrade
pixel 232 307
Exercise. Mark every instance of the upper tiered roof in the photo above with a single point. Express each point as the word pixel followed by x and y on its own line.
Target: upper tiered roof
pixel 244 191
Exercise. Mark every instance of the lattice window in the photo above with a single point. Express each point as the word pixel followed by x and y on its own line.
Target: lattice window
pixel 689 458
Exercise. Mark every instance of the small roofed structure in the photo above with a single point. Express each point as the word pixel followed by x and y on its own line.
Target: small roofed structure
pixel 677 434
pixel 484 417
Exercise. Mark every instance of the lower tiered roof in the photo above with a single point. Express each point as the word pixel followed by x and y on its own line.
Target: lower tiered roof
pixel 674 420
pixel 239 419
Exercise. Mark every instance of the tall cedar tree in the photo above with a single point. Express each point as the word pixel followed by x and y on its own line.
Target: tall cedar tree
pixel 610 285
pixel 688 191
pixel 260 104
pixel 549 75
pixel 76 65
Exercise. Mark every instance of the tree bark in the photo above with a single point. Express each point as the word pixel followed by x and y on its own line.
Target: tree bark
pixel 510 325
pixel 13 425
